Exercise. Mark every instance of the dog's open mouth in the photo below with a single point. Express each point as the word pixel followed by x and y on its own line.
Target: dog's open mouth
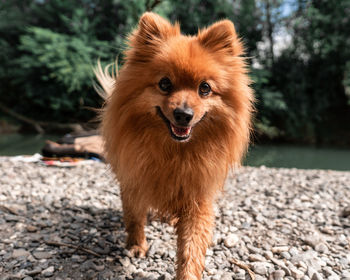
pixel 179 133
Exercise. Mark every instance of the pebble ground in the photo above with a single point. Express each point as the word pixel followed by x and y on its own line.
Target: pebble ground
pixel 66 224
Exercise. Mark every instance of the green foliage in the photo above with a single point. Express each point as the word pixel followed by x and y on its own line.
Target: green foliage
pixel 310 73
pixel 64 59
pixel 48 49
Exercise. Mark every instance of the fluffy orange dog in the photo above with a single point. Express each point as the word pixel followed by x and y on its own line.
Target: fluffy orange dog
pixel 177 118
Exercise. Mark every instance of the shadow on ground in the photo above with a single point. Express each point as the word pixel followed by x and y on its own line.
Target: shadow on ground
pixel 61 241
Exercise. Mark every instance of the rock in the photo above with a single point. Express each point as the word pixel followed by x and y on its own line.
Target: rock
pixel 345 212
pixel 35 271
pixel 227 276
pixel 293 251
pixel 278 274
pixel 111 238
pixel 172 254
pixel 48 272
pixel 256 258
pixel 231 240
pixel 321 248
pixel 31 228
pixel 260 267
pixel 296 273
pixel 27 278
pixel 316 276
pixel 240 275
pixel 42 255
pixel 312 239
pixel 125 261
pixel 99 267
pixel 20 253
pixel 12 218
pixel 285 255
pixel 165 277
pixel 279 249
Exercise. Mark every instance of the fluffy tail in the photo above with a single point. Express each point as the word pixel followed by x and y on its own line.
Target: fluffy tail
pixel 106 80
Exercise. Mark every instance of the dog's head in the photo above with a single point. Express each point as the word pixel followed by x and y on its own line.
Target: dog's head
pixel 192 86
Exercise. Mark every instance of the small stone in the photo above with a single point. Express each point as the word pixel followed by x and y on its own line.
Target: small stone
pixel 296 273
pixel 293 251
pixel 112 238
pixel 99 267
pixel 216 239
pixel 131 268
pixel 321 248
pixel 333 277
pixel 11 218
pixel 286 255
pixel 27 278
pixel 268 254
pixel 280 249
pixel 20 253
pixel 35 271
pixel 316 276
pixel 227 276
pixel 256 258
pixel 48 271
pixel 231 240
pixel 240 274
pixel 278 274
pixel 125 262
pixel 42 255
pixel 87 265
pixel 260 268
pixel 346 212
pixel 312 240
pixel 31 228
pixel 172 254
pixel 165 276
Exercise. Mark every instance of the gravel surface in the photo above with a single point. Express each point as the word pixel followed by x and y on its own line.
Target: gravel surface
pixel 66 223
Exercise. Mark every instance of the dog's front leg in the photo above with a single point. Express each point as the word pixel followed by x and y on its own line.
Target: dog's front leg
pixel 135 219
pixel 194 230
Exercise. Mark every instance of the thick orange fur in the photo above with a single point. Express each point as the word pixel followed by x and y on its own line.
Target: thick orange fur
pixel 180 179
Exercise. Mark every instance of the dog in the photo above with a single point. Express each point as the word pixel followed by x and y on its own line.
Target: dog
pixel 176 119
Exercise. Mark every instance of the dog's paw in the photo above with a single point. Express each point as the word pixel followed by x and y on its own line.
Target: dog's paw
pixel 138 251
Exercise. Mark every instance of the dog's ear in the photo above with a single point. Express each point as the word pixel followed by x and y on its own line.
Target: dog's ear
pixel 221 36
pixel 154 27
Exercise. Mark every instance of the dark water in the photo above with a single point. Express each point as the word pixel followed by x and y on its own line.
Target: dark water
pixel 299 157
pixel 268 155
pixel 23 144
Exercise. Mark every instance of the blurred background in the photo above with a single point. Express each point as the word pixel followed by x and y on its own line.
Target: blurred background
pixel 298 53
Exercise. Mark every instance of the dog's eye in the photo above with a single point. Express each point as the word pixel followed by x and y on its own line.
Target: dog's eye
pixel 204 89
pixel 165 84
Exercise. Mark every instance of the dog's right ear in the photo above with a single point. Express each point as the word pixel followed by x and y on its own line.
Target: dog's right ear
pixel 146 39
pixel 153 27
pixel 221 37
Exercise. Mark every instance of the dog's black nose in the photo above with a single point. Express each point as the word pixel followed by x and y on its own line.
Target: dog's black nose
pixel 183 116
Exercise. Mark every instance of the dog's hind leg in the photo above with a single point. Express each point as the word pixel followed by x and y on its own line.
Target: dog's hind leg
pixel 135 220
pixel 194 230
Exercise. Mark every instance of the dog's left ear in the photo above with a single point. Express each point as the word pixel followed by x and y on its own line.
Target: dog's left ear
pixel 221 36
pixel 154 27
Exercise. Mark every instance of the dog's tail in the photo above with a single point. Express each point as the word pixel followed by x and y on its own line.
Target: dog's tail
pixel 106 79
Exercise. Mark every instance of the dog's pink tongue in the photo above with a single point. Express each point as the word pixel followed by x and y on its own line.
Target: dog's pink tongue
pixel 181 131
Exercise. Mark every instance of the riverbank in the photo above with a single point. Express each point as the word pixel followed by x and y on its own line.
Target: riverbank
pixel 66 223
pixel 271 155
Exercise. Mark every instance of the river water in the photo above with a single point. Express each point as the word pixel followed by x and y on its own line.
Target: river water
pixel 289 156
